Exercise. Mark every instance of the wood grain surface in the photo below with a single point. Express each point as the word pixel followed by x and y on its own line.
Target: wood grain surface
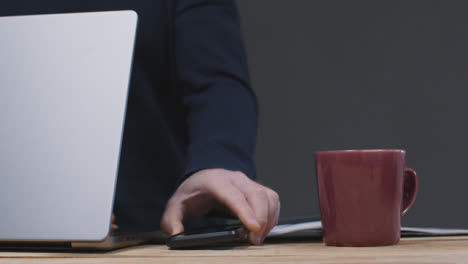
pixel 409 250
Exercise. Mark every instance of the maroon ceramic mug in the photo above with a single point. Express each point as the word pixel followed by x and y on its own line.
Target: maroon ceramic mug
pixel 363 194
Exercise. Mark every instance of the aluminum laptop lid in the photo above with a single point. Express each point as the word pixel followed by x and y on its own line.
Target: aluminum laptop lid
pixel 63 91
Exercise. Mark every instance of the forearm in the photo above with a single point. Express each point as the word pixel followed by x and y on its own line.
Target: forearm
pixel 213 75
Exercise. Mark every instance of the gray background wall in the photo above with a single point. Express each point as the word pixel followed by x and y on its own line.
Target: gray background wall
pixel 362 74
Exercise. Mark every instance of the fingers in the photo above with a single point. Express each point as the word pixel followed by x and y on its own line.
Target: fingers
pixel 265 204
pixel 171 222
pixel 260 205
pixel 274 211
pixel 113 226
pixel 248 198
pixel 256 206
pixel 235 200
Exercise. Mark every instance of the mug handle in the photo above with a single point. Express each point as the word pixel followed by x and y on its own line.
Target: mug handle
pixel 410 189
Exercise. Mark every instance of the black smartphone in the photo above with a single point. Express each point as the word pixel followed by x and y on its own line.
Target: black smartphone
pixel 208 237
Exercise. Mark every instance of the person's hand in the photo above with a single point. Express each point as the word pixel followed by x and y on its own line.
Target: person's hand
pixel 256 206
pixel 114 227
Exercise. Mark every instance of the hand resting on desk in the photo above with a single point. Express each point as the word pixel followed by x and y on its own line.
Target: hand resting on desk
pixel 256 206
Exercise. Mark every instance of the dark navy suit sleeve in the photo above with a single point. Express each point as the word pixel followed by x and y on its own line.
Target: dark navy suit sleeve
pixel 212 74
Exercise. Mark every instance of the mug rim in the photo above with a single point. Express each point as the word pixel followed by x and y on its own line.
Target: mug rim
pixel 359 150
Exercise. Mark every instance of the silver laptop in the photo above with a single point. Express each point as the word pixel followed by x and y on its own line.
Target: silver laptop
pixel 63 91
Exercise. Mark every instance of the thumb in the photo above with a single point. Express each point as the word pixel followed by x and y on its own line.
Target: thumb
pixel 171 222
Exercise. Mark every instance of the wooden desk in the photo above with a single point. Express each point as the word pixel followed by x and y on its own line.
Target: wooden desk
pixel 415 250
